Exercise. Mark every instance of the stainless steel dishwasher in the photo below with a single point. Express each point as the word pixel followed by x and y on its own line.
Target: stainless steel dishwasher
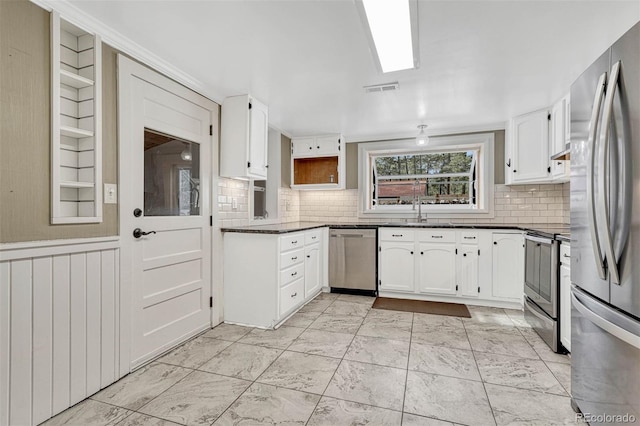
pixel 352 260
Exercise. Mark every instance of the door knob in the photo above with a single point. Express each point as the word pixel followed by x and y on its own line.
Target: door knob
pixel 137 233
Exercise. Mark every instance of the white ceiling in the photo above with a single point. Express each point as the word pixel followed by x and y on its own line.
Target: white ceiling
pixel 481 61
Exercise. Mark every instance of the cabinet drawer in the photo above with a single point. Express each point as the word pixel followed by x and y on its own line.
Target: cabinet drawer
pixel 396 234
pixel 291 258
pixel 291 274
pixel 291 241
pixel 313 236
pixel 565 254
pixel 437 236
pixel 291 296
pixel 469 237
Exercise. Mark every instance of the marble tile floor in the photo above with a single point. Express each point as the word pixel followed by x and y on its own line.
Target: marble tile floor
pixel 339 362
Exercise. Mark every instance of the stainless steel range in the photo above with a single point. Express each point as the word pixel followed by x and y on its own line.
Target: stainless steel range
pixel 541 292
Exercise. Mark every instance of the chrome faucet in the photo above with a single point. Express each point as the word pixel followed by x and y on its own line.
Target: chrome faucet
pixel 419 219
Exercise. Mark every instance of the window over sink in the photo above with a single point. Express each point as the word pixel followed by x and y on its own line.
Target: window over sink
pixel 452 176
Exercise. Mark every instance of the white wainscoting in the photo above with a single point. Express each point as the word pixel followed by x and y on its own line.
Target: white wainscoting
pixel 59 330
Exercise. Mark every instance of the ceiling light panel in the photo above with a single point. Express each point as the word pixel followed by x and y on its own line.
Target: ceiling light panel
pixel 393 29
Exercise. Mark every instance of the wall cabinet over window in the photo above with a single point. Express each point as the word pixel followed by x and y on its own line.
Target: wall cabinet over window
pixel 76 122
pixel 318 162
pixel 244 138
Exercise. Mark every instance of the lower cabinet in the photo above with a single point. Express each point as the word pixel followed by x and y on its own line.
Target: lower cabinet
pixel 508 267
pixel 443 265
pixel 437 268
pixel 268 276
pixel 565 295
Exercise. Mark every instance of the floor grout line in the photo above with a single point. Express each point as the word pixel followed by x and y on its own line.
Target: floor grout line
pixel 481 380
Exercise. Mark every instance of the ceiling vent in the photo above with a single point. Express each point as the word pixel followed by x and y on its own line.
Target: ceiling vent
pixel 385 87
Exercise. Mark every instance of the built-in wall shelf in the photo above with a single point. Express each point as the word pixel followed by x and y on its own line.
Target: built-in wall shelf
pixel 76 154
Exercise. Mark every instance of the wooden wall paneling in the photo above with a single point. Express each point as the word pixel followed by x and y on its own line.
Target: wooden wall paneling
pixel 78 347
pixel 21 329
pixel 5 335
pixel 109 346
pixel 94 312
pixel 61 334
pixel 42 338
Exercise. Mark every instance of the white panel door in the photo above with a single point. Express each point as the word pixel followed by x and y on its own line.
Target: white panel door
pixel 168 203
pixel 396 266
pixel 467 271
pixel 530 144
pixel 508 266
pixel 258 139
pixel 311 269
pixel 437 268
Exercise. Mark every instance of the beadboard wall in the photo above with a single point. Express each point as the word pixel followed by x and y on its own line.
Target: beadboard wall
pixel 526 204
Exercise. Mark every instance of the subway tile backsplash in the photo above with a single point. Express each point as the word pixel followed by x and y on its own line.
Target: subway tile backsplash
pixel 522 204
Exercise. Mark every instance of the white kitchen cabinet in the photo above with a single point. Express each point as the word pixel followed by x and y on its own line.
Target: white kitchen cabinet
pixel 318 162
pixel 558 133
pixel 244 138
pixel 528 149
pixel 508 267
pixel 76 124
pixel 268 276
pixel 312 274
pixel 455 266
pixel 565 295
pixel 396 270
pixel 437 268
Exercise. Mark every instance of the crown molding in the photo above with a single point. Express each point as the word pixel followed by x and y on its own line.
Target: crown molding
pixel 489 127
pixel 113 38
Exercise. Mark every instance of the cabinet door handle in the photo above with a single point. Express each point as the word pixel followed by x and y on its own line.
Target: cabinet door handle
pixel 308 256
pixel 509 163
pixel 314 237
pixel 469 238
pixel 293 274
pixel 294 258
pixel 566 255
pixel 396 235
pixel 294 294
pixel 294 242
pixel 436 236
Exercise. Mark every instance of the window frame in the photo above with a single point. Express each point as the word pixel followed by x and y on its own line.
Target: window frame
pixel 483 142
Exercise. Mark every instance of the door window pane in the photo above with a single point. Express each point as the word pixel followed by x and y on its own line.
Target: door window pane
pixel 171 176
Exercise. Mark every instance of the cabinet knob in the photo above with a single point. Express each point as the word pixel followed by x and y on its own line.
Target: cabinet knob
pixel 412 252
pixel 495 243
pixel 464 254
pixel 308 256
pixel 294 294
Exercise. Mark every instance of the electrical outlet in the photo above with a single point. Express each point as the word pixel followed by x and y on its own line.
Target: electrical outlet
pixel 110 193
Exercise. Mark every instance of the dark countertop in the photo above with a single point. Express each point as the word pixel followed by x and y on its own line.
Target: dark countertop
pixel 559 231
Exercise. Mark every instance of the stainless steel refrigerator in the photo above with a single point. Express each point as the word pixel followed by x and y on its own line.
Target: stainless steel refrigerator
pixel 605 235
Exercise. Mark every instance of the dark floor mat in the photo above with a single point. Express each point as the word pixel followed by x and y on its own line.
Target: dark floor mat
pixel 422 307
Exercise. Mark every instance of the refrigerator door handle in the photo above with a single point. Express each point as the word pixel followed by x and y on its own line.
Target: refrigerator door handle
pixel 592 142
pixel 611 328
pixel 603 199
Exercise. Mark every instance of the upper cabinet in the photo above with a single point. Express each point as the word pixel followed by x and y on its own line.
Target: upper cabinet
pixel 318 162
pixel 533 139
pixel 528 148
pixel 559 138
pixel 76 124
pixel 244 138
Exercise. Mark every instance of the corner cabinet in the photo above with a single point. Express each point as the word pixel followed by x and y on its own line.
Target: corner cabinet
pixel 76 124
pixel 528 149
pixel 267 277
pixel 244 138
pixel 318 162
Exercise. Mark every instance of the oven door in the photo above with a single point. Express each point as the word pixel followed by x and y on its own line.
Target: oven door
pixel 541 269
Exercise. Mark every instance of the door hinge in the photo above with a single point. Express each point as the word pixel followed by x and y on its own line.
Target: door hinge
pixel 211 302
pixel 210 220
pixel 249 105
pixel 211 130
pixel 478 289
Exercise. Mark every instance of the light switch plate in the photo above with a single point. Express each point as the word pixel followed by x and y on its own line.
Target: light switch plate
pixel 110 193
